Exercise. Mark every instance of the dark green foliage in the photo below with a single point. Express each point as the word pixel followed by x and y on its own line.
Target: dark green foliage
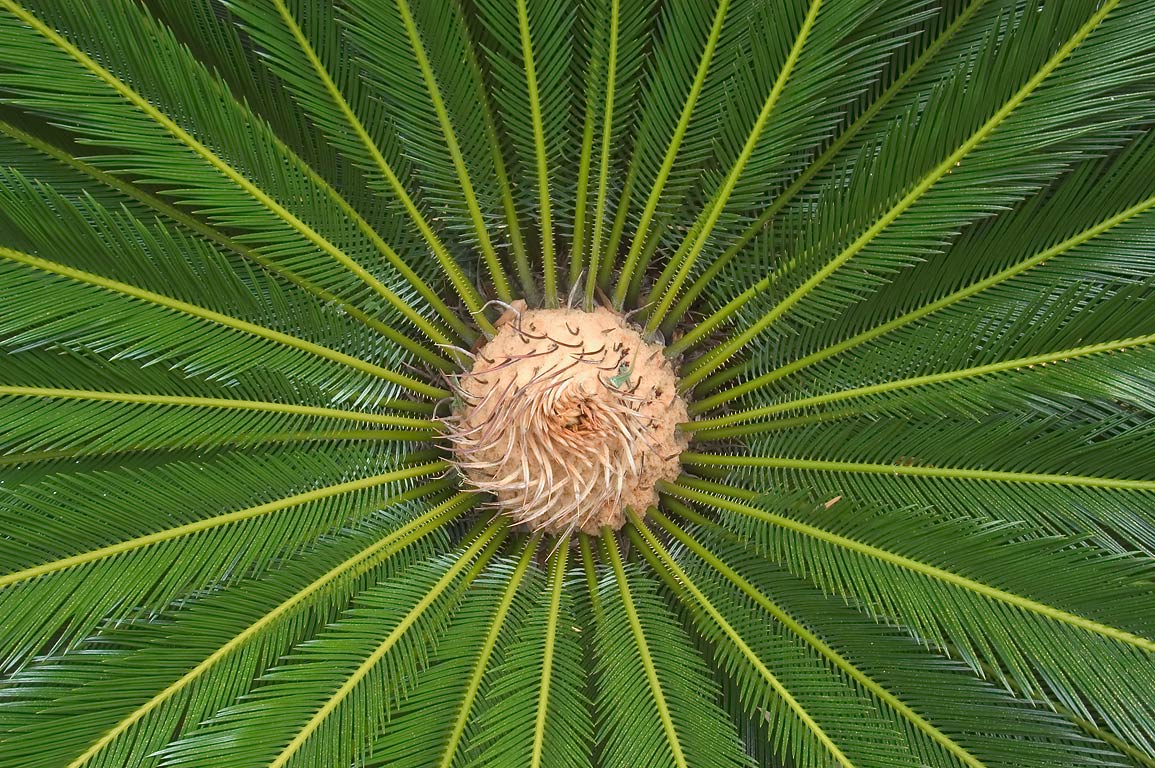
pixel 903 252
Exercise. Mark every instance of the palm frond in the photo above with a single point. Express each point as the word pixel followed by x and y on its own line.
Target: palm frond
pixel 536 99
pixel 866 560
pixel 618 39
pixel 228 639
pixel 932 44
pixel 688 34
pixel 896 254
pixel 119 115
pixel 648 664
pixel 869 659
pixel 120 566
pixel 1096 213
pixel 775 679
pixel 485 625
pixel 806 71
pixel 972 170
pixel 304 55
pixel 313 697
pixel 392 49
pixel 72 178
pixel 534 709
pixel 158 327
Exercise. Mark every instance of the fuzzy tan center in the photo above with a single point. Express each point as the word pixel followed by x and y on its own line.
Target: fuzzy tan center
pixel 568 418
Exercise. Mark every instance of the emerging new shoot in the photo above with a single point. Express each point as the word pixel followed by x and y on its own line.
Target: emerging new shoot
pixel 568 418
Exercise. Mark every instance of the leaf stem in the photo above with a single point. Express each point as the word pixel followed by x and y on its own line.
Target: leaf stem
pixel 715 427
pixel 227 321
pixel 547 244
pixel 706 364
pixel 362 562
pixel 233 441
pixel 604 164
pixel 684 489
pixel 610 545
pixel 896 470
pixel 642 233
pixel 557 582
pixel 181 401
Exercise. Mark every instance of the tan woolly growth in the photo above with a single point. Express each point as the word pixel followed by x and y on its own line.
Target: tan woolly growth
pixel 568 418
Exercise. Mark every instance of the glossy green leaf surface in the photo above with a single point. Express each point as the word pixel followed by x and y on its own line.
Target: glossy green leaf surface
pixel 902 255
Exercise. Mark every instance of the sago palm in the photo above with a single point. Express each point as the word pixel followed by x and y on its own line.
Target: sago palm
pixel 577 382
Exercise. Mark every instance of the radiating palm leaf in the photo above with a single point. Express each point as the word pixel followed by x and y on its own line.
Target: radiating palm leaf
pixel 902 255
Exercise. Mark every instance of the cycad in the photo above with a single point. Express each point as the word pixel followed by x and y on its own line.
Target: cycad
pixel 900 253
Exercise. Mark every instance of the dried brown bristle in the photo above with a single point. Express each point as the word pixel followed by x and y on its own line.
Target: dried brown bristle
pixel 568 418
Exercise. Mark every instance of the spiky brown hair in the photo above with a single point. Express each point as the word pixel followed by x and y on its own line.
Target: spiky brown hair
pixel 568 418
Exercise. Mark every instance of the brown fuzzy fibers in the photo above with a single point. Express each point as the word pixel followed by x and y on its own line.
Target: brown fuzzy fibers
pixel 568 418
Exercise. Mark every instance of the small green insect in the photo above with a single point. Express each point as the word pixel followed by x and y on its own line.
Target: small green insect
pixel 623 376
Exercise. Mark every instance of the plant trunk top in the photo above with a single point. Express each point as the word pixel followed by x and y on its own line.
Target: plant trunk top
pixel 568 418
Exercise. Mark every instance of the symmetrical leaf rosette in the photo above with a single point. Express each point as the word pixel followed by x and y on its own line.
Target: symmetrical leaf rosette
pixel 902 251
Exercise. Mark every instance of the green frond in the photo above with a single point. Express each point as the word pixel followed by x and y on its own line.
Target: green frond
pixel 534 711
pixel 23 154
pixel 145 253
pixel 485 625
pixel 806 71
pixel 976 469
pixel 1017 133
pixel 900 255
pixel 119 566
pixel 646 662
pixel 30 157
pixel 98 422
pixel 688 35
pixel 312 697
pixel 304 55
pixel 1008 617
pixel 228 638
pixel 531 59
pixel 1098 214
pixel 393 52
pixel 773 679
pixel 118 115
pixel 923 690
pixel 203 338
pixel 215 38
pixel 622 36
pixel 932 46
pixel 1079 379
